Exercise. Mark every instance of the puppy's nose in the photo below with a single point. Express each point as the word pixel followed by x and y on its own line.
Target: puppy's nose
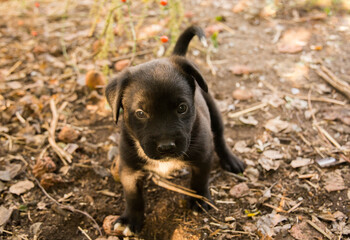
pixel 166 146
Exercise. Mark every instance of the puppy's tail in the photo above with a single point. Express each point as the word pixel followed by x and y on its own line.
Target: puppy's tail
pixel 185 38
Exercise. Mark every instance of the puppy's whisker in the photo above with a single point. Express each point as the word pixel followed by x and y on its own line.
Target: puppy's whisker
pixel 184 154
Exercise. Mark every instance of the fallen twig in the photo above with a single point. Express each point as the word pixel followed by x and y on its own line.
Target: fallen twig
pixel 329 139
pixel 251 109
pixel 235 175
pixel 314 99
pixel 180 189
pixel 133 34
pixel 64 156
pixel 295 207
pixel 209 62
pixel 84 233
pixel 140 53
pixel 237 232
pixel 213 218
pixel 277 209
pixel 304 139
pixel 14 67
pixel 10 144
pixel 317 16
pixel 68 207
pixel 227 28
pixel 20 118
pixel 319 229
pixel 333 80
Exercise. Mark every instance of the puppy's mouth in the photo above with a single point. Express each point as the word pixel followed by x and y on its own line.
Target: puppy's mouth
pixel 154 155
pixel 166 157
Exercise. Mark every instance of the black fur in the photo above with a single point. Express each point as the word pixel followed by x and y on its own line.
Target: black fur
pixel 169 121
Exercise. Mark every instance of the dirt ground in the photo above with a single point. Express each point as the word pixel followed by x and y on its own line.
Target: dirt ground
pixel 270 64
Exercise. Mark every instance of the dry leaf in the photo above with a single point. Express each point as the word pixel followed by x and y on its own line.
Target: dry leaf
pixel 42 166
pixel 5 215
pixel 94 79
pixel 213 29
pixel 239 190
pixel 266 224
pixel 241 69
pixel 242 94
pixel 301 162
pixel 296 73
pixel 100 170
pixel 303 231
pixel 97 45
pixel 252 173
pixel 269 164
pixel 184 233
pixel 50 179
pixel 108 225
pixel 274 100
pixel 21 187
pixel 14 85
pixel 10 172
pixel 150 31
pixel 334 181
pixel 241 147
pixel 71 147
pixel 273 154
pixel 327 216
pixel 293 40
pixel 120 65
pixel 276 125
pixel 339 216
pixel 68 134
pixel 250 120
pixel 342 114
pixel 240 6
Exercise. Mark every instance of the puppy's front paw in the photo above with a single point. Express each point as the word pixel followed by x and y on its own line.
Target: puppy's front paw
pixel 232 163
pixel 127 226
pixel 123 230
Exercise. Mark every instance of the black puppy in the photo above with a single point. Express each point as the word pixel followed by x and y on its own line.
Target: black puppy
pixel 169 121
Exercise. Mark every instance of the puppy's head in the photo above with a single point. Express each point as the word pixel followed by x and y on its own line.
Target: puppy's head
pixel 158 102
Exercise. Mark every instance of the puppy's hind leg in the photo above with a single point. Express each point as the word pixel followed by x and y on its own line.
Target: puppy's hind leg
pixel 228 160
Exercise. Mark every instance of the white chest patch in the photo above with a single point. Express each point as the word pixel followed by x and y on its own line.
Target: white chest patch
pixel 164 168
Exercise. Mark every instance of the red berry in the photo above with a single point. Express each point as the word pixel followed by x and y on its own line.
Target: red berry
pixel 123 1
pixel 164 39
pixel 164 2
pixel 34 33
pixel 37 4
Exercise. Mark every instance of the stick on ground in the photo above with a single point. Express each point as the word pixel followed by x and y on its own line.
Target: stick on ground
pixel 64 156
pixel 333 80
pixel 173 187
pixel 69 208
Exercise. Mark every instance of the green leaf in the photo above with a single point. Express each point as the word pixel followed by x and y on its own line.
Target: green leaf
pixel 214 39
pixel 23 208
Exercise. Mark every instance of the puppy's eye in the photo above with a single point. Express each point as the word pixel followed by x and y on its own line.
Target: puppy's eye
pixel 182 108
pixel 140 114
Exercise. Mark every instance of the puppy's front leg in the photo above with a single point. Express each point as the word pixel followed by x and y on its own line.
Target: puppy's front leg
pixel 133 215
pixel 200 184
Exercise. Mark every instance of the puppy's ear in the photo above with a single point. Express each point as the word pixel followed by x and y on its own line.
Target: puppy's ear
pixel 114 93
pixel 189 69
